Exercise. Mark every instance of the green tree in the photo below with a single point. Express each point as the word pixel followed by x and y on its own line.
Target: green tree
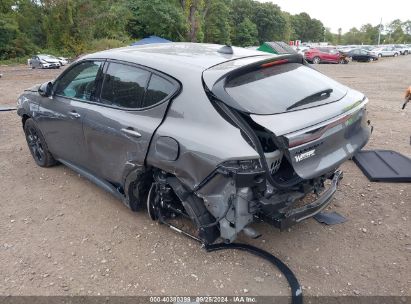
pixel 307 29
pixel 246 34
pixel 157 17
pixel 270 22
pixel 217 22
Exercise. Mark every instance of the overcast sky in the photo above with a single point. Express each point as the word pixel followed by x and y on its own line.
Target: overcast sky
pixel 348 13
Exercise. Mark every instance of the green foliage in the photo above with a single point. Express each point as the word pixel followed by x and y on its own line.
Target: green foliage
pixel 13 43
pixel 73 27
pixel 217 27
pixel 247 33
pixel 270 21
pixel 157 17
pixel 307 29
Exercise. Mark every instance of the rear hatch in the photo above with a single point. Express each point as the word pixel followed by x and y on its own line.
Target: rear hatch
pixel 318 122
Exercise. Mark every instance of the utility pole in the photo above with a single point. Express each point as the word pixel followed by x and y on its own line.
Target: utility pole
pixel 379 32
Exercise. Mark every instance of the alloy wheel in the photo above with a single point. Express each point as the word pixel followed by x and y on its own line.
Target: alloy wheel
pixel 35 144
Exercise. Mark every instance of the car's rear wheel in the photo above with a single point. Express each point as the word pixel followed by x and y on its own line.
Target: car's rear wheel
pixel 379 55
pixel 316 60
pixel 37 145
pixel 395 54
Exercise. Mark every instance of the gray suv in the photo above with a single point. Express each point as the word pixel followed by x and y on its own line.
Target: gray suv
pixel 221 135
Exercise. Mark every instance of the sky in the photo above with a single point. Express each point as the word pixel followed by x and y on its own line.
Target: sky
pixel 347 14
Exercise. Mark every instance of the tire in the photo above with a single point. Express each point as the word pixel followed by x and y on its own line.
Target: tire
pixel 370 59
pixel 405 52
pixel 316 60
pixel 37 145
pixel 342 61
pixel 395 54
pixel 379 55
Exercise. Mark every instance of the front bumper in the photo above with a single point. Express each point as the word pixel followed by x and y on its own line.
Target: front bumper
pixel 297 215
pixel 50 65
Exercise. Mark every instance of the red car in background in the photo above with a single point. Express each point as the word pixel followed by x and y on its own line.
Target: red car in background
pixel 320 55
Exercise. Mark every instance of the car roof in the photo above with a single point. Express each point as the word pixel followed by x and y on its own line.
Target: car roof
pixel 177 58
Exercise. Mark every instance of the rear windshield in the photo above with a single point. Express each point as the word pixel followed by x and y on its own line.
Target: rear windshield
pixel 283 88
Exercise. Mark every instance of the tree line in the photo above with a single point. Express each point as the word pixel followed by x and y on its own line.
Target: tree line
pixel 73 27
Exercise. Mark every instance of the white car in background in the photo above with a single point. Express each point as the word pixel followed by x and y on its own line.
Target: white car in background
pixel 63 61
pixel 42 61
pixel 386 51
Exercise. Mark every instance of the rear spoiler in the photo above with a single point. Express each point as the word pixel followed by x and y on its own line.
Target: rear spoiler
pixel 218 90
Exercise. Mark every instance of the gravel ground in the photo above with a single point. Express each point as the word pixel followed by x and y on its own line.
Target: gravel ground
pixel 62 235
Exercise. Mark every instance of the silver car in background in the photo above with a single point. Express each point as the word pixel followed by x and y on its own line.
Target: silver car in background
pixel 44 62
pixel 387 51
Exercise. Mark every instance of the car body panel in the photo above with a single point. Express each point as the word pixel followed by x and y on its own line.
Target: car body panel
pixel 331 143
pixel 203 142
pixel 284 123
pixel 108 143
pixel 62 131
pixel 194 57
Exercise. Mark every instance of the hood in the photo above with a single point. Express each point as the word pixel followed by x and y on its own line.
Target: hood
pixel 50 60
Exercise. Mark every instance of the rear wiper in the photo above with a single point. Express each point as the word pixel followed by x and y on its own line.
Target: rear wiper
pixel 324 94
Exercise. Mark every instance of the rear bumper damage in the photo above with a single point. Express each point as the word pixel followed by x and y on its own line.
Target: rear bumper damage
pixel 297 215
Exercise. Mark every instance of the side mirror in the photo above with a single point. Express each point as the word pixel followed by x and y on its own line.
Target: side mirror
pixel 45 89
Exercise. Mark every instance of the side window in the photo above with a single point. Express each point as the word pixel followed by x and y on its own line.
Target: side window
pixel 124 86
pixel 80 81
pixel 158 89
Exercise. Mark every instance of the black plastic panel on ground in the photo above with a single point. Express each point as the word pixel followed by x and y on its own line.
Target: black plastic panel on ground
pixel 384 166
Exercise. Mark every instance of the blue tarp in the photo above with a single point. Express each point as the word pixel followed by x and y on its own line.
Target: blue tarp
pixel 151 39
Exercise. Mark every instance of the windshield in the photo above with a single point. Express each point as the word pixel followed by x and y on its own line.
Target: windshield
pixel 282 88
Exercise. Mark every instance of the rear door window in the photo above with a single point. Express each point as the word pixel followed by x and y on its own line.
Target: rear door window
pixel 281 88
pixel 158 90
pixel 124 86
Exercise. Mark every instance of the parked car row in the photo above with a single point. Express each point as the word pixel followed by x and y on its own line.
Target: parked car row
pixel 344 54
pixel 43 61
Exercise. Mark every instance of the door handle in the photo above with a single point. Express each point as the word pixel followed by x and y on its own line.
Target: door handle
pixel 131 132
pixel 74 114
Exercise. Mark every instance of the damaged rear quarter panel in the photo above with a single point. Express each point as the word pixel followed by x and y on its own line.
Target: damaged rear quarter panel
pixel 205 139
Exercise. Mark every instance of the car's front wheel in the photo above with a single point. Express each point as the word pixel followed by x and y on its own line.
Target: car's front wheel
pixel 316 60
pixel 370 59
pixel 37 145
pixel 395 54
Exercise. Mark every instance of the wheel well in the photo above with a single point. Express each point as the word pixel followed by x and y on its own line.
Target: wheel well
pixel 24 119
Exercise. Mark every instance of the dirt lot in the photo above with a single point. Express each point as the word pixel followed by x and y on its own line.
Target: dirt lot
pixel 61 235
